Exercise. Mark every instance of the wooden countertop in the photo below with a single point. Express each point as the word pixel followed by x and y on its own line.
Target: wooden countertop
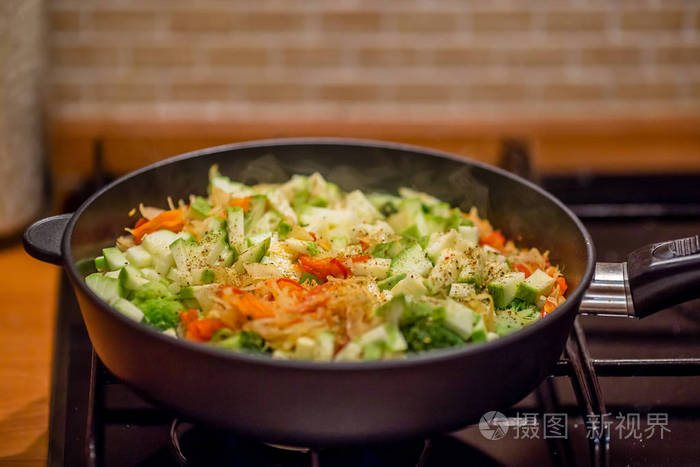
pixel 26 342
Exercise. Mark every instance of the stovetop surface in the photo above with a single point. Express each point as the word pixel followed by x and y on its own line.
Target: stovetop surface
pixel 653 420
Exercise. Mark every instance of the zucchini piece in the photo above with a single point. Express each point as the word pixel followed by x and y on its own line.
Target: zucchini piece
pixel 236 228
pixel 387 250
pixel 305 348
pixel 255 211
pixel 412 261
pixel 207 276
pixel 107 288
pixel 267 223
pixel 446 269
pixel 101 264
pixel 459 319
pixel 350 353
pixel 410 286
pixel 439 241
pixel 478 329
pixel 186 254
pixel 360 205
pixel 325 346
pixel 114 258
pixel 200 208
pixel 503 289
pixel 373 351
pixel 158 243
pixel 390 282
pixel 252 255
pixel 131 278
pixel 128 309
pixel 138 256
pixel 539 283
pixel 458 290
pixel 374 267
pixel 469 235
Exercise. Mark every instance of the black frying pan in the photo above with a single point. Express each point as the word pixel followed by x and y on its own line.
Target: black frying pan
pixel 315 404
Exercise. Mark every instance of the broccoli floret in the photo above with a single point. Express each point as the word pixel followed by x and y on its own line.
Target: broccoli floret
pixel 422 325
pixel 246 341
pixel 161 313
pixel 152 289
pixel 427 334
pixel 518 315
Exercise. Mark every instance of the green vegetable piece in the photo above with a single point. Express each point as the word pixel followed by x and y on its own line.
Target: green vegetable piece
pixel 152 289
pixel 312 249
pixel 200 208
pixel 131 278
pixel 107 288
pixel 101 264
pixel 390 282
pixel 127 308
pixel 479 333
pixel 244 341
pixel 373 351
pixel 185 293
pixel 283 229
pixel 114 258
pixel 161 313
pixel 307 276
pixel 255 212
pixel 207 276
pixel 427 334
pixel 388 208
pixel 387 250
pixel 539 283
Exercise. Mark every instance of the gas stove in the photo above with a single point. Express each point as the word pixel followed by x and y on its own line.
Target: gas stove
pixel 625 392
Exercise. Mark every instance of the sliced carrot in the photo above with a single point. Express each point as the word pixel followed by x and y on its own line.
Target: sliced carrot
pixel 548 308
pixel 323 267
pixel 140 222
pixel 243 203
pixel 251 306
pixel 201 330
pixel 563 286
pixel 520 267
pixel 169 220
pixel 360 258
pixel 495 239
pixel 189 316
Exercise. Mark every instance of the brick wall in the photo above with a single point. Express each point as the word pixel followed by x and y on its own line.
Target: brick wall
pixel 212 58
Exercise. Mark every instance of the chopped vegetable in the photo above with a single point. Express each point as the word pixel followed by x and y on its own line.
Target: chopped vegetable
pixel 303 270
pixel 169 220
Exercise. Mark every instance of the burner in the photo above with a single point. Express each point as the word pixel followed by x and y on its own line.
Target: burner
pixel 194 446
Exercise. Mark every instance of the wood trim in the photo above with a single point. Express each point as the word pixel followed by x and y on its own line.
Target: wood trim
pixel 448 128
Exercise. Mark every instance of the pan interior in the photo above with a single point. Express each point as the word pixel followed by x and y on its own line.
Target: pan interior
pixel 522 212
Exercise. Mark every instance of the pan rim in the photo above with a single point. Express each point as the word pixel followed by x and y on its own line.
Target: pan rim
pixel 427 358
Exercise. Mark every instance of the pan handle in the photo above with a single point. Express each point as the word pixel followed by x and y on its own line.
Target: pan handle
pixel 654 277
pixel 43 238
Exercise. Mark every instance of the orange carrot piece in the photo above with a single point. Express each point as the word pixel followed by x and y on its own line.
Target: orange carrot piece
pixel 563 286
pixel 495 239
pixel 169 220
pixel 243 203
pixel 202 329
pixel 189 316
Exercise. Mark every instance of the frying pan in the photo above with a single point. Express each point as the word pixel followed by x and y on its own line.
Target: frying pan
pixel 320 404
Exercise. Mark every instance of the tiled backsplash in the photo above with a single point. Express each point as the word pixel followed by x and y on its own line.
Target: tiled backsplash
pixel 214 58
